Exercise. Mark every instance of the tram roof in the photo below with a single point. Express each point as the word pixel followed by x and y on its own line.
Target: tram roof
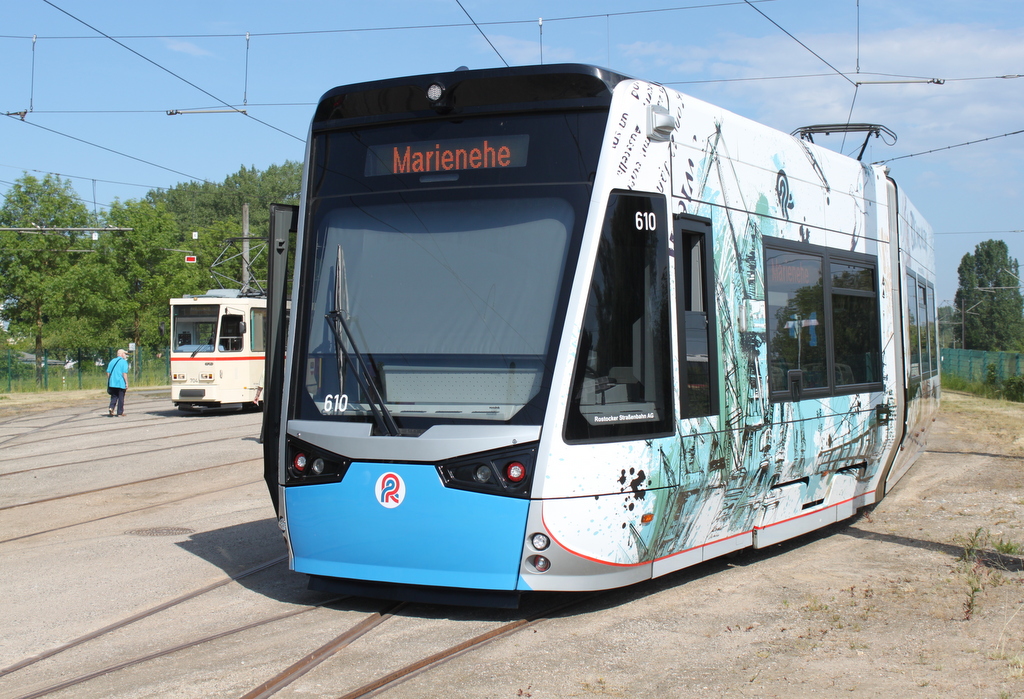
pixel 463 91
pixel 224 294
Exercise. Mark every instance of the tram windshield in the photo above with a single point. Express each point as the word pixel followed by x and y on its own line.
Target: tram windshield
pixel 447 301
pixel 194 327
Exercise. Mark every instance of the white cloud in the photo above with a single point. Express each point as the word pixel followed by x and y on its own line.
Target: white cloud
pixel 523 52
pixel 186 47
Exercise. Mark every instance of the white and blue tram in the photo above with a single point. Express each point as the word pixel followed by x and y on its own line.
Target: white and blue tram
pixel 554 328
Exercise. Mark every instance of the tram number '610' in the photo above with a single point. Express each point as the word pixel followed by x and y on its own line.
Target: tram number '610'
pixel 646 221
pixel 335 405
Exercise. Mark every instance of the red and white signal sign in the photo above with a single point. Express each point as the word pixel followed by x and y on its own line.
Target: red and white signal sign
pixel 190 258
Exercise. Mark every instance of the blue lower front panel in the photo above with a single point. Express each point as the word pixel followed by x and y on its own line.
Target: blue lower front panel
pixel 397 523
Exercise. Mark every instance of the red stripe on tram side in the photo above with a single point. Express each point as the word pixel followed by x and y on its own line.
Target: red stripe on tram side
pixel 215 359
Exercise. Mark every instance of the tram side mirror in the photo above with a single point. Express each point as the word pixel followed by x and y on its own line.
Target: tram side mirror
pixel 796 382
pixel 241 328
pixel 660 123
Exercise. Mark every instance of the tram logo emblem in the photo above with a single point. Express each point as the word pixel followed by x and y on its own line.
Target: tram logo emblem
pixel 390 490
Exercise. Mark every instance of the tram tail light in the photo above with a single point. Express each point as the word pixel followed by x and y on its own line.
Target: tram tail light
pixel 308 464
pixel 541 563
pixel 515 472
pixel 506 471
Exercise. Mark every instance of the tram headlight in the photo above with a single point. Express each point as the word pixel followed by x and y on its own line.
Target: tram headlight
pixel 482 474
pixel 540 563
pixel 435 92
pixel 318 467
pixel 540 541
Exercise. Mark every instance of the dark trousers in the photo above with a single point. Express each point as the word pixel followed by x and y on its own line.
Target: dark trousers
pixel 117 399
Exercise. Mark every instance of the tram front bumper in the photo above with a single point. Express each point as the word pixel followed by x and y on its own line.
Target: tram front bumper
pixel 397 523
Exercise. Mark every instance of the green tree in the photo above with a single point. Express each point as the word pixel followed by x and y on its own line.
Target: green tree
pixel 145 267
pixel 197 206
pixel 214 211
pixel 989 299
pixel 37 268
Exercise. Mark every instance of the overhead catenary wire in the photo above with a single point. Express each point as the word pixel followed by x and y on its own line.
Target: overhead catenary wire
pixel 484 35
pixel 172 73
pixel 111 150
pixel 450 25
pixel 978 232
pixel 809 49
pixel 248 34
pixel 958 145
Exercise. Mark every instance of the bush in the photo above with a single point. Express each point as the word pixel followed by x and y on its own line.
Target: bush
pixel 1013 389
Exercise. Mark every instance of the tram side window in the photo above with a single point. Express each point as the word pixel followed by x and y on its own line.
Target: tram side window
pixel 914 335
pixel 923 294
pixel 855 323
pixel 824 336
pixel 932 338
pixel 258 332
pixel 694 318
pixel 622 382
pixel 921 343
pixel 232 327
pixel 794 290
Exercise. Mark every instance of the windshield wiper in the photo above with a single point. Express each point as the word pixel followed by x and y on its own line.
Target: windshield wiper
pixel 209 344
pixel 336 319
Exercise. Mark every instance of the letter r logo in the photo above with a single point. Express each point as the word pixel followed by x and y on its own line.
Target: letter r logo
pixel 390 490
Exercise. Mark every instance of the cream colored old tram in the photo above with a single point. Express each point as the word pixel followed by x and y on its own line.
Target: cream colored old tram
pixel 218 343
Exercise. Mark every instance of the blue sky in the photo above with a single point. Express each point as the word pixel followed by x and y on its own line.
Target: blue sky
pixel 99 108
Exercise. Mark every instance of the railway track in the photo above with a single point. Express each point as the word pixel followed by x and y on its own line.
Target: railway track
pixel 89 428
pixel 327 653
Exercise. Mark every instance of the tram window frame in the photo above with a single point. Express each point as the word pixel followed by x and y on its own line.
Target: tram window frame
pixel 695 316
pixel 233 323
pixel 258 329
pixel 922 345
pixel 839 295
pixel 627 277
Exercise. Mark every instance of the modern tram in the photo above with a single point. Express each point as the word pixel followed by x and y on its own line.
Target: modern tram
pixel 218 350
pixel 557 329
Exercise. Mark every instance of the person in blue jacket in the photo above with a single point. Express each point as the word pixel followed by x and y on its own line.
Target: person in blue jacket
pixel 117 382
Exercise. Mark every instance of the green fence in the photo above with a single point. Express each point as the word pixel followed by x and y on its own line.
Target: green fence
pixel 973 365
pixel 73 370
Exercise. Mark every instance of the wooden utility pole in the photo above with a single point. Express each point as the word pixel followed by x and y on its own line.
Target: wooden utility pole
pixel 245 249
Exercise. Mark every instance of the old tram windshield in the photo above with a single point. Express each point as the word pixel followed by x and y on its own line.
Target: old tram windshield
pixel 194 327
pixel 438 266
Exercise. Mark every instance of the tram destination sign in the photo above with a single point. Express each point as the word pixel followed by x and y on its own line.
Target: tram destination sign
pixel 451 155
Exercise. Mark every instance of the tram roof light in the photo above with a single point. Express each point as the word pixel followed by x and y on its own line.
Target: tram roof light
pixel 435 92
